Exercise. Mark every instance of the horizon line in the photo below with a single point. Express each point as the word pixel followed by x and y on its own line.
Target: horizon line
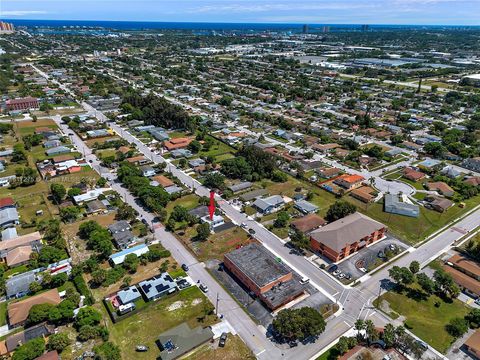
pixel 244 23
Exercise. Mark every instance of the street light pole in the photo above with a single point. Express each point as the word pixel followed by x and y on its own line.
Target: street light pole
pixel 216 306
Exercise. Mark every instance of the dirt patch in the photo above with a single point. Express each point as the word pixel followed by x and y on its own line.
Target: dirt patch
pixel 196 302
pixel 176 305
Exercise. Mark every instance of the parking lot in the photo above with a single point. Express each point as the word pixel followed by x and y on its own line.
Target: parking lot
pixel 368 258
pixel 250 302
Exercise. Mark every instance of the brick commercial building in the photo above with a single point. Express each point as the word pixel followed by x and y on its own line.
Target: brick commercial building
pixel 346 236
pixel 22 104
pixel 264 275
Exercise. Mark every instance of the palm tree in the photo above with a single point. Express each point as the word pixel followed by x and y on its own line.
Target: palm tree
pixel 371 331
pixel 359 326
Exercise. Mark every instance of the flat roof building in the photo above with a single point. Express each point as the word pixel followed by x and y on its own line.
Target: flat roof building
pixel 270 279
pixel 393 204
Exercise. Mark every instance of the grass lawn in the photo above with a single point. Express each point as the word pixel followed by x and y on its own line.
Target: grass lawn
pixel 28 127
pixel 235 349
pixel 331 354
pixel 217 244
pixel 217 150
pixel 28 205
pixel 3 313
pixel 424 319
pixel 411 229
pixel 145 326
pixel 71 179
pixel 188 201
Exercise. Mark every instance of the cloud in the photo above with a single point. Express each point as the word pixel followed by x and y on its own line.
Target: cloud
pixel 22 12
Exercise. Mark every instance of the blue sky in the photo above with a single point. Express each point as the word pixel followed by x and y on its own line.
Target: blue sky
pixel 447 12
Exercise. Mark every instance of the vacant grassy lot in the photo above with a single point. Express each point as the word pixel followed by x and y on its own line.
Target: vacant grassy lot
pixel 217 244
pixel 235 349
pixel 145 326
pixel 3 313
pixel 424 319
pixel 218 149
pixel 28 127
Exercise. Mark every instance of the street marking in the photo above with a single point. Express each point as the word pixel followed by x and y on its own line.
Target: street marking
pixel 261 352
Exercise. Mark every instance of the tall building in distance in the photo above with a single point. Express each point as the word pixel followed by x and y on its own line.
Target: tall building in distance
pixel 305 29
pixel 6 28
pixel 365 27
pixel 325 29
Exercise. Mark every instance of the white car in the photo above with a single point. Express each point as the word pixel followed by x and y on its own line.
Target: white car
pixel 336 272
pixel 362 269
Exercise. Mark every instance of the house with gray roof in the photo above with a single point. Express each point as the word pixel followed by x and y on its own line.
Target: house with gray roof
pixel 51 144
pixel 241 186
pixel 157 286
pixel 173 189
pixel 179 153
pixel 9 217
pixel 394 204
pixel 9 233
pixel 19 285
pixel 57 150
pixel 269 204
pixel 129 295
pixel 305 207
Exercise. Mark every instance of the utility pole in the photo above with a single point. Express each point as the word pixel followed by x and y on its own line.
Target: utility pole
pixel 216 306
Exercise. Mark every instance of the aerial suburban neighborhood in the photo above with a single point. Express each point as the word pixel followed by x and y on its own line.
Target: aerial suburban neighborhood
pixel 284 192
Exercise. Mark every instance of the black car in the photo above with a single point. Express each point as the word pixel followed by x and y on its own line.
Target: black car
pixel 183 284
pixel 332 268
pixel 251 231
pixel 223 340
pixel 185 267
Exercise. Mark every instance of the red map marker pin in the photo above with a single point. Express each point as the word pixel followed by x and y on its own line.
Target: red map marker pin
pixel 211 207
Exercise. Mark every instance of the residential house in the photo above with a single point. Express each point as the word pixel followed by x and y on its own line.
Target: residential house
pixel 364 194
pixel 18 286
pixel 57 150
pixel 472 344
pixel 138 160
pixel 308 223
pixel 9 217
pixel 177 143
pixel 240 186
pixel 128 295
pixel 349 182
pixel 157 286
pixel 121 233
pixel 450 172
pixel 180 153
pixel 438 204
pixel 41 330
pixel 329 173
pixel 119 258
pixel 89 196
pixel 9 233
pixel 7 202
pixel 412 174
pixel 147 171
pixel 472 164
pixel 18 311
pixel 441 187
pixel 163 181
pixel 344 237
pixel 472 180
pixel 269 204
pixel 305 207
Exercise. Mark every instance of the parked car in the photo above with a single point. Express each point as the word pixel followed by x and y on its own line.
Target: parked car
pixel 341 275
pixel 244 225
pixel 141 348
pixel 362 269
pixel 185 267
pixel 392 247
pixel 183 284
pixel 422 344
pixel 304 281
pixel 336 272
pixel 223 340
pixel 204 288
pixel 332 268
pixel 251 231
